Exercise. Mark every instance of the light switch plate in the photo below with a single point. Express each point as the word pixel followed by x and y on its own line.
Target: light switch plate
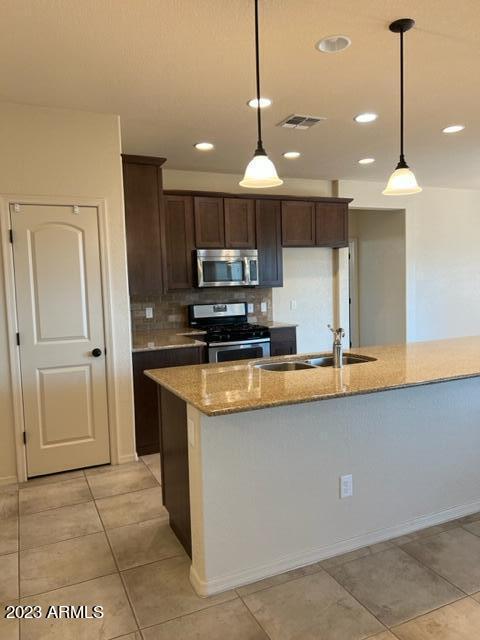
pixel 263 307
pixel 250 307
pixel 149 313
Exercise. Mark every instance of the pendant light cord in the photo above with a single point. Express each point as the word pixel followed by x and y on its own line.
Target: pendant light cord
pixel 402 102
pixel 260 149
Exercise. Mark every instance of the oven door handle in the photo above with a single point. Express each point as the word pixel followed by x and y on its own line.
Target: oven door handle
pixel 245 343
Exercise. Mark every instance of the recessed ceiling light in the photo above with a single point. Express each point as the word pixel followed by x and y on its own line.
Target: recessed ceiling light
pixel 292 154
pixel 203 146
pixel 454 128
pixel 366 117
pixel 366 161
pixel 333 44
pixel 264 102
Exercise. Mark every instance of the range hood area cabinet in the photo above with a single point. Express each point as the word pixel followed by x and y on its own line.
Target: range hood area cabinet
pixel 224 223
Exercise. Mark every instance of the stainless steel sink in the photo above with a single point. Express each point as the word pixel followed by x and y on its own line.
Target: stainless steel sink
pixel 348 358
pixel 313 363
pixel 285 366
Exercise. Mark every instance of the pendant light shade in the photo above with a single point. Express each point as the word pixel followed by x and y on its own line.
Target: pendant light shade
pixel 260 172
pixel 402 182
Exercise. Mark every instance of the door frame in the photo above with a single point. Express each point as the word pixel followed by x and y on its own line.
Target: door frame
pixel 353 296
pixel 12 323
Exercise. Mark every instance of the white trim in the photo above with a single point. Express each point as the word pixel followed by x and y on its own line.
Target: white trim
pixel 128 457
pixel 205 588
pixel 13 351
pixel 353 292
pixel 9 281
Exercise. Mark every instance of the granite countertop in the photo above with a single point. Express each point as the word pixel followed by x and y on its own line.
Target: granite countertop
pixel 272 324
pixel 218 389
pixel 167 339
pixel 180 337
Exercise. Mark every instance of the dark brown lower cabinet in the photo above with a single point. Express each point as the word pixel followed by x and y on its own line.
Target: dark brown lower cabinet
pixel 174 464
pixel 145 391
pixel 283 341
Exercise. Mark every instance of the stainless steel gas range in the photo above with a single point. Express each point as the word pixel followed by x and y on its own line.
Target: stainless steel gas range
pixel 229 336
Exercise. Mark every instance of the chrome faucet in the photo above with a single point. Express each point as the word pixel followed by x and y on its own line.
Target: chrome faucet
pixel 337 350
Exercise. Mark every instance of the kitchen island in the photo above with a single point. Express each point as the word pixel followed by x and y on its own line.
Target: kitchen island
pixel 253 458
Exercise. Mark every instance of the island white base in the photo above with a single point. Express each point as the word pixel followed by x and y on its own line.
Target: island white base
pixel 264 485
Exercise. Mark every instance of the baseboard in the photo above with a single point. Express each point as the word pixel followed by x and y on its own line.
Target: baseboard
pixel 210 587
pixel 129 457
pixel 8 480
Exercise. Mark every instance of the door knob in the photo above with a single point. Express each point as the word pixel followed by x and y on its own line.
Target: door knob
pixel 96 353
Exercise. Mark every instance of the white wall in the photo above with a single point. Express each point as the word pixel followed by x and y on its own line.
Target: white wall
pixel 381 275
pixel 308 279
pixel 442 256
pixel 228 182
pixel 413 454
pixel 56 152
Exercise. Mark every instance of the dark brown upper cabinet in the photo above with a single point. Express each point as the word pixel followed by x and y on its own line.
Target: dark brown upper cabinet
pixel 179 242
pixel 142 182
pixel 331 222
pixel 298 223
pixel 209 223
pixel 269 242
pixel 239 223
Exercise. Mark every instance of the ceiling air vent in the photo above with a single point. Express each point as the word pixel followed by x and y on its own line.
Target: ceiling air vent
pixel 299 122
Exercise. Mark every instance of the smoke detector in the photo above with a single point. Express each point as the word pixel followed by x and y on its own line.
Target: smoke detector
pixel 296 121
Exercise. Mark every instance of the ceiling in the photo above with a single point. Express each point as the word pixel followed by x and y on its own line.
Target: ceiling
pixel 180 71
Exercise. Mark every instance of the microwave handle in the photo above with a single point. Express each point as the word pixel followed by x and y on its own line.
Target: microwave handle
pixel 246 260
pixel 201 282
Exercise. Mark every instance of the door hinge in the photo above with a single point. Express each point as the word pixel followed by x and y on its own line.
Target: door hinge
pixel 24 437
pixel 349 301
pixel 18 339
pixel 11 235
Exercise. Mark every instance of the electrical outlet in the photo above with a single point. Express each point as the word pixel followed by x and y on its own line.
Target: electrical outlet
pixel 346 486
pixel 263 307
pixel 250 307
pixel 293 305
pixel 149 313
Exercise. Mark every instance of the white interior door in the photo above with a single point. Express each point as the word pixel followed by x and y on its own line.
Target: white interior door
pixel 61 332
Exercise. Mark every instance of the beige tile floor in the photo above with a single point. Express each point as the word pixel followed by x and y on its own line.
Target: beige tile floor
pixel 102 537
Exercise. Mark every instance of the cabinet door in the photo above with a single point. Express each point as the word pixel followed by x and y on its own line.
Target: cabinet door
pixel 145 391
pixel 142 188
pixel 209 223
pixel 331 224
pixel 283 342
pixel 239 223
pixel 179 242
pixel 298 223
pixel 269 242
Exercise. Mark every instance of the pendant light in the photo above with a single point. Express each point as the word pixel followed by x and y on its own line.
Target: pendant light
pixel 402 182
pixel 260 172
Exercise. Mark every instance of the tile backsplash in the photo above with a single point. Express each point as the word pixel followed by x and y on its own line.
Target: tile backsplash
pixel 170 309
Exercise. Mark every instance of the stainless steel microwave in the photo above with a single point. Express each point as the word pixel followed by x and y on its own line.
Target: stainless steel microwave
pixel 227 267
